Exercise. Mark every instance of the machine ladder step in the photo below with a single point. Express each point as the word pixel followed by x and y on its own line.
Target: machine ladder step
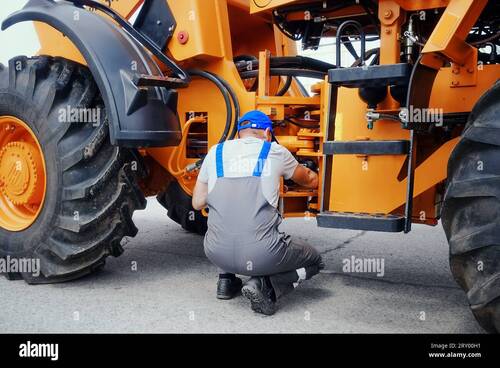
pixel 361 221
pixel 393 147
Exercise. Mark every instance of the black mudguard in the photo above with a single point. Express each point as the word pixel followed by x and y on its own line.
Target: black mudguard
pixel 139 116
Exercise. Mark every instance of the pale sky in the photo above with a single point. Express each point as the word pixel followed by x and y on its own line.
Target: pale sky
pixel 20 39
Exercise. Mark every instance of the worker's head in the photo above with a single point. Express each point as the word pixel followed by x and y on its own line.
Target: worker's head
pixel 255 124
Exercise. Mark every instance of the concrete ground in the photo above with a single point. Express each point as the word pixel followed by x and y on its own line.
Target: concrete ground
pixel 163 283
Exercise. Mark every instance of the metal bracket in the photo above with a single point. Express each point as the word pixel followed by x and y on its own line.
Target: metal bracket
pixel 466 75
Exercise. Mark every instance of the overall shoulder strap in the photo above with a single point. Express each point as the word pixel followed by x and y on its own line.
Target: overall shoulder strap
pixel 264 153
pixel 218 160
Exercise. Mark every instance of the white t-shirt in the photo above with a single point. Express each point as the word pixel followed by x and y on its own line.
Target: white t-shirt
pixel 240 158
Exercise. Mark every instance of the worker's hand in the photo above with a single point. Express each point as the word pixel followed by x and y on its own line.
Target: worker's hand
pixel 305 177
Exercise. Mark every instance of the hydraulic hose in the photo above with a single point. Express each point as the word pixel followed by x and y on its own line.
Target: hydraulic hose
pixel 297 62
pixel 302 89
pixel 300 125
pixel 227 99
pixel 339 40
pixel 241 61
pixel 286 72
pixel 285 87
pixel 244 57
pixel 369 54
pixel 235 101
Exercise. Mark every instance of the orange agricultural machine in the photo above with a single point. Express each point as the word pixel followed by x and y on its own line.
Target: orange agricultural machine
pixel 125 97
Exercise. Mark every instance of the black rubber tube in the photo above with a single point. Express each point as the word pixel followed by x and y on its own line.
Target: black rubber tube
pixel 339 41
pixel 242 61
pixel 235 101
pixel 300 62
pixel 286 72
pixel 297 62
pixel 244 57
pixel 300 125
pixel 285 87
pixel 368 55
pixel 227 99
pixel 303 89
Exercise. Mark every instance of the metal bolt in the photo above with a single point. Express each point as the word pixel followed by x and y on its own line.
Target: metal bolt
pixel 183 37
pixel 387 14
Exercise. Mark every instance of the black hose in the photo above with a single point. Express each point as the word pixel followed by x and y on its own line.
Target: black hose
pixel 369 54
pixel 297 62
pixel 236 104
pixel 302 62
pixel 244 57
pixel 339 40
pixel 300 125
pixel 242 60
pixel 227 99
pixel 285 87
pixel 302 89
pixel 286 72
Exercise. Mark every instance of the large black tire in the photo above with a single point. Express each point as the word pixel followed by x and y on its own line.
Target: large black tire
pixel 179 207
pixel 91 185
pixel 471 210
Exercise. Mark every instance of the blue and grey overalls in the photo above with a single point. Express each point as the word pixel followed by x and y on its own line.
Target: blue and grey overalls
pixel 243 236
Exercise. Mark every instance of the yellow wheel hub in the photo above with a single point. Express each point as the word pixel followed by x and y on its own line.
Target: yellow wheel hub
pixel 22 175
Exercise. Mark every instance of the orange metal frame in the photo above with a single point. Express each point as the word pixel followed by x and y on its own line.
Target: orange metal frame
pixel 220 29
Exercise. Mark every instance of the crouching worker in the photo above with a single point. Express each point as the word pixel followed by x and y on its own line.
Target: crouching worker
pixel 239 181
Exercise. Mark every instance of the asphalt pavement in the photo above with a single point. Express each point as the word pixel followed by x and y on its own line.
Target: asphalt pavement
pixel 163 283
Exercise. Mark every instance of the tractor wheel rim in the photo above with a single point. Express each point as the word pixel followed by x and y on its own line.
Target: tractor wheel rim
pixel 23 178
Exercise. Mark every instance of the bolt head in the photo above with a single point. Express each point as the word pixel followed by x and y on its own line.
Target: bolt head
pixel 183 37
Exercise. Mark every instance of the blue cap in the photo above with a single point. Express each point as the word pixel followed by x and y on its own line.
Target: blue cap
pixel 256 120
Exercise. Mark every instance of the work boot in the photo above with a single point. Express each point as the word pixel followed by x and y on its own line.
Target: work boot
pixel 228 287
pixel 261 295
